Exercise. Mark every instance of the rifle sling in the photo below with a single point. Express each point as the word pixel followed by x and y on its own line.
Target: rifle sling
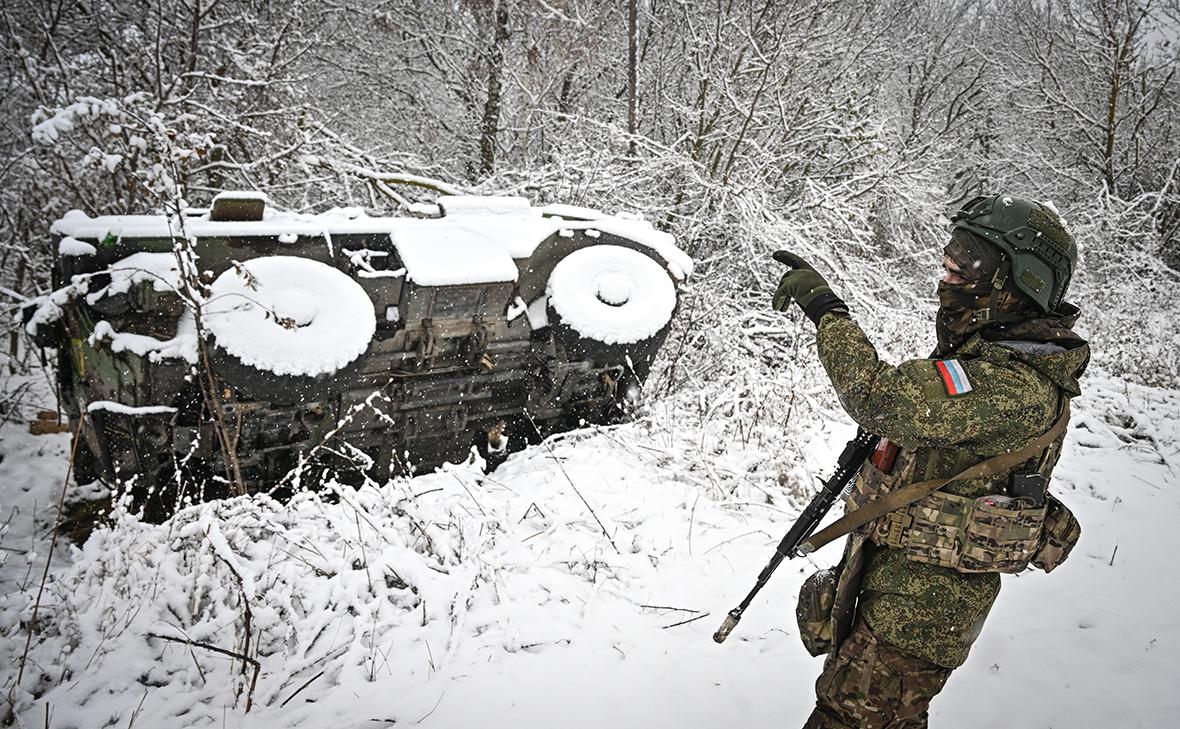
pixel 907 495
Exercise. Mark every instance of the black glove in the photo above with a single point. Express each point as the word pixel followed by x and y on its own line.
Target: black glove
pixel 806 287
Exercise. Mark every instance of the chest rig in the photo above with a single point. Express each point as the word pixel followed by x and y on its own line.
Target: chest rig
pixel 969 525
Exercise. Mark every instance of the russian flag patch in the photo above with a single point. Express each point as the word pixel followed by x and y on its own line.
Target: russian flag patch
pixel 954 377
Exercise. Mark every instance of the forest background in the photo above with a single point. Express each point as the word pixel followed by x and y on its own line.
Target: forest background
pixel 846 131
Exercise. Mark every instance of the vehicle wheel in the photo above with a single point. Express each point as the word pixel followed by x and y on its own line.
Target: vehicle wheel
pixel 287 329
pixel 611 306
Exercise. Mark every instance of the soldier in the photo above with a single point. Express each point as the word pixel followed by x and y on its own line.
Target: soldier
pixel 915 585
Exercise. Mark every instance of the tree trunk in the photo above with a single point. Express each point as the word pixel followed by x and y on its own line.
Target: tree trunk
pixel 565 101
pixel 1112 108
pixel 632 91
pixel 491 109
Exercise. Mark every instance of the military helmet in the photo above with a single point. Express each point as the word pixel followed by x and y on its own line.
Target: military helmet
pixel 1032 237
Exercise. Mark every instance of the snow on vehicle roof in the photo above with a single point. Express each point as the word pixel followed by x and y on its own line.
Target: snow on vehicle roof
pixel 474 242
pixel 443 255
pixel 573 211
pixel 483 205
pixel 240 195
pixel 68 246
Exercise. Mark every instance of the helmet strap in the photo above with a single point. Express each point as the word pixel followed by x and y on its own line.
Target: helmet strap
pixel 990 313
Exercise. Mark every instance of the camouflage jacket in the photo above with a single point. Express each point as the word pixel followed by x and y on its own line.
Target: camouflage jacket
pixel 945 415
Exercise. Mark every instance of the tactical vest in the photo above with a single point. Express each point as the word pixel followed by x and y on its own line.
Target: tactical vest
pixel 972 525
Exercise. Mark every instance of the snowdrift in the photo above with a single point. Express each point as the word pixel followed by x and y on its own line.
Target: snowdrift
pixel 576 585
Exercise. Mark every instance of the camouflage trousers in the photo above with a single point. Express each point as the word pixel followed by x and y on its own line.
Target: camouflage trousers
pixel 869 684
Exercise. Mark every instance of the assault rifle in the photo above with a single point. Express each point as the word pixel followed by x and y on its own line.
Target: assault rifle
pixel 847 466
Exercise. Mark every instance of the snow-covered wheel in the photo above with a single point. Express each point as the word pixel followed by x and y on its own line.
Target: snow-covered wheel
pixel 287 329
pixel 610 305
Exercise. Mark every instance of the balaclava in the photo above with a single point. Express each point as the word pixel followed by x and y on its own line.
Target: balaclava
pixel 984 300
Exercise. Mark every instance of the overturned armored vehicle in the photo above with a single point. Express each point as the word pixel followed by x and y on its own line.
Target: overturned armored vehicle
pixel 250 343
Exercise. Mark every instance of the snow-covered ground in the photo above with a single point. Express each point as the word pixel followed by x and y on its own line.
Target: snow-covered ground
pixel 561 590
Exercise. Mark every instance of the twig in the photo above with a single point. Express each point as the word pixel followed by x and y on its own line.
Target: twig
pixel 740 536
pixel 666 607
pixel 532 507
pixel 247 620
pixel 360 538
pixel 52 543
pixel 685 622
pixel 436 703
pixel 247 617
pixel 464 485
pixel 565 473
pixel 341 167
pixel 245 659
pixel 201 671
pixel 353 410
pixel 135 714
pixel 601 526
pixel 305 685
pixel 1112 554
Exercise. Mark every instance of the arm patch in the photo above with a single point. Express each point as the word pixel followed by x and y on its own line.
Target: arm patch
pixel 954 377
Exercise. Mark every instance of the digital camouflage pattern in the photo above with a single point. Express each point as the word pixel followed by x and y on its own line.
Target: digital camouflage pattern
pixel 1013 401
pixel 868 684
pixel 928 611
pixel 931 612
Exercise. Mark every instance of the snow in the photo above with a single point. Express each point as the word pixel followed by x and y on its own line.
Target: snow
pixel 449 255
pixel 111 161
pixel 396 273
pixel 515 309
pixel 49 306
pixel 362 264
pixel 460 599
pixel 642 232
pixel 182 346
pixel 115 407
pixel 1068 225
pixel 483 205
pixel 612 294
pixel 425 209
pixel 68 246
pixel 241 195
pixel 574 212
pixel 538 313
pixel 290 316
pixel 48 130
pixel 159 268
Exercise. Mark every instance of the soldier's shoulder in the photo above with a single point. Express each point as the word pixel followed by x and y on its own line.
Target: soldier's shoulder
pixel 981 372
